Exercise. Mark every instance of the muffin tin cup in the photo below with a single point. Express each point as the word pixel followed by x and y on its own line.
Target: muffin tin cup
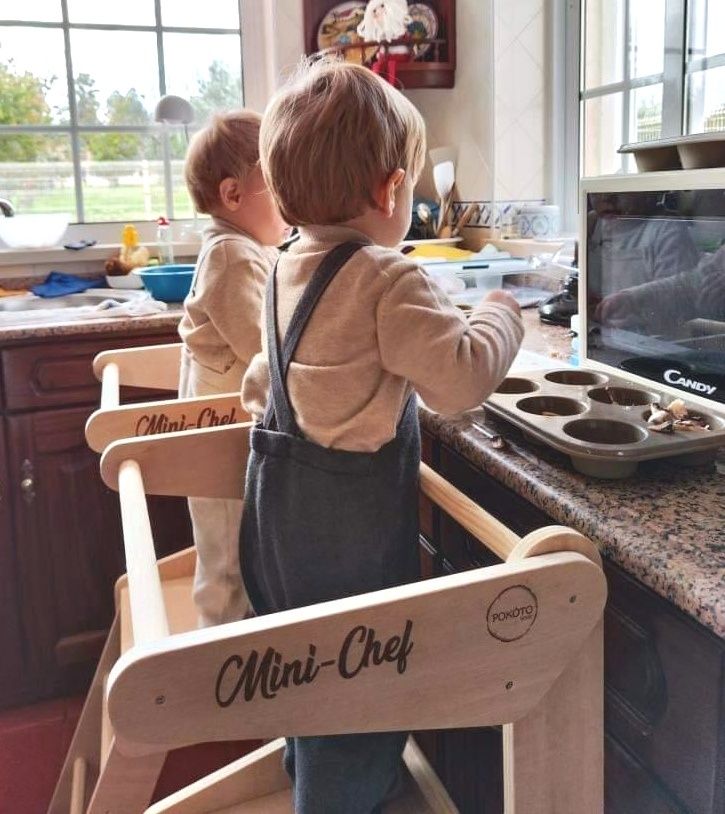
pixel 599 420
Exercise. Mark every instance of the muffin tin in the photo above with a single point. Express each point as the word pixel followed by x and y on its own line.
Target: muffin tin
pixel 599 420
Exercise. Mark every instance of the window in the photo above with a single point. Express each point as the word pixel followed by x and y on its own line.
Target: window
pixel 705 66
pixel 79 81
pixel 650 69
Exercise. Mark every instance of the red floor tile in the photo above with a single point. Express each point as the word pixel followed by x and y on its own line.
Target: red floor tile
pixel 34 741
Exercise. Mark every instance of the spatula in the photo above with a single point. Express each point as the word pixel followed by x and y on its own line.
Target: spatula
pixel 443 178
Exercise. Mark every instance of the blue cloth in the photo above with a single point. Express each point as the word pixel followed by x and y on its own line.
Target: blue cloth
pixel 58 284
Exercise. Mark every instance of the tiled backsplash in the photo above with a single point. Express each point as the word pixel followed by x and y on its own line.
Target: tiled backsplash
pixel 520 94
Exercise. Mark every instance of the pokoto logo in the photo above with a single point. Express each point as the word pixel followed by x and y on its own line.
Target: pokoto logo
pixel 512 613
pixel 673 376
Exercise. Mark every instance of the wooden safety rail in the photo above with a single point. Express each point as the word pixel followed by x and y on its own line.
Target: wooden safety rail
pixel 518 644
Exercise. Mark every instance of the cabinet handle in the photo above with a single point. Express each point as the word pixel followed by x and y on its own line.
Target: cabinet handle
pixel 27 483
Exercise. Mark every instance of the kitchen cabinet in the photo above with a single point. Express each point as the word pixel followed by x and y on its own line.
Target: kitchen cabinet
pixel 664 678
pixel 61 533
pixel 11 645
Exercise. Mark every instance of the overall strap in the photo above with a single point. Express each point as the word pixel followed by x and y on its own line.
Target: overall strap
pixel 279 410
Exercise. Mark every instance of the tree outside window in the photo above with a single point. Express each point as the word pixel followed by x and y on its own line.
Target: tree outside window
pixel 84 141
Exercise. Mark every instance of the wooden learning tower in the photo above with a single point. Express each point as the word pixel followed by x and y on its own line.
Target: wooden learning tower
pixel 518 644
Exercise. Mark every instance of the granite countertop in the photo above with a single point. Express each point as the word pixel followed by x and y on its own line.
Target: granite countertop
pixel 665 525
pixel 107 325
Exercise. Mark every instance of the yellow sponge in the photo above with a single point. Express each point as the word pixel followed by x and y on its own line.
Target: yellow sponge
pixel 445 252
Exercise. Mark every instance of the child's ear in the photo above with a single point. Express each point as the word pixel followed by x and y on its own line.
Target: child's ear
pixel 386 192
pixel 230 193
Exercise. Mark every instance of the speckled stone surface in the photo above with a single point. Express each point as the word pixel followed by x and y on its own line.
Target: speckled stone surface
pixel 665 525
pixel 109 325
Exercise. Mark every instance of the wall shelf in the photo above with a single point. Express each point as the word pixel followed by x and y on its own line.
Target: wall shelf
pixel 422 73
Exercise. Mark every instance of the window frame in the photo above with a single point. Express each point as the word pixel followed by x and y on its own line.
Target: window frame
pixel 671 77
pixel 570 91
pixel 74 130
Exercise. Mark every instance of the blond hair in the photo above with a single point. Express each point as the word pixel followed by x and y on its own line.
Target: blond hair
pixel 228 147
pixel 330 136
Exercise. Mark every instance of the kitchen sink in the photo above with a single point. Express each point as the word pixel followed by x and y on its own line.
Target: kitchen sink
pixel 94 296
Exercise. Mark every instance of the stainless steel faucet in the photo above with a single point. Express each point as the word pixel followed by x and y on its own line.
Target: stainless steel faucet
pixel 6 208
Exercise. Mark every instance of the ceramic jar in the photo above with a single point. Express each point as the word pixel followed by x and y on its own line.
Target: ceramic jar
pixel 538 221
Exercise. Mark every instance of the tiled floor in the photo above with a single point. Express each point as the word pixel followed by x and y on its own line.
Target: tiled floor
pixel 33 743
pixel 34 740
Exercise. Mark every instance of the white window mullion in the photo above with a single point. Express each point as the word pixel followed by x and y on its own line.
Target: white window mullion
pixel 73 113
pixel 673 89
pixel 165 146
pixel 627 94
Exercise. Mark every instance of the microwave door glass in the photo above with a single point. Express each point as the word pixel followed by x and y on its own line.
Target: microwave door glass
pixel 656 286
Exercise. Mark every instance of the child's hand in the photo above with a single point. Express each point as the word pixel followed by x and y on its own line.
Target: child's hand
pixel 504 298
pixel 618 310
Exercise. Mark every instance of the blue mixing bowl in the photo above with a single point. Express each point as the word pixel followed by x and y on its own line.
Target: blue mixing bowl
pixel 167 283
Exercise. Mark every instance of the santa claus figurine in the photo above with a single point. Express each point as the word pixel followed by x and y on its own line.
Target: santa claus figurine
pixel 386 21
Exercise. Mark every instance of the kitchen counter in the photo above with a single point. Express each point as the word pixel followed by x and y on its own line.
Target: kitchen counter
pixel 168 320
pixel 665 525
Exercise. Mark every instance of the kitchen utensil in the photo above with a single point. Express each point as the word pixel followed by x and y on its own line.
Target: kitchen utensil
pixel 465 217
pixel 426 218
pixel 497 442
pixel 443 177
pixel 167 283
pixel 599 420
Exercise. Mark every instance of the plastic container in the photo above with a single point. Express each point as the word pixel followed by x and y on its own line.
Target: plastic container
pixel 467 282
pixel 164 241
pixel 127 281
pixel 169 283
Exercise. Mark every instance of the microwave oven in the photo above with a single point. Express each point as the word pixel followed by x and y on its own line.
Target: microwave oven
pixel 652 280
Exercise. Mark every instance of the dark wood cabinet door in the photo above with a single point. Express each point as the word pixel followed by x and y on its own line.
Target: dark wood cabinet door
pixel 11 638
pixel 663 674
pixel 60 373
pixel 69 545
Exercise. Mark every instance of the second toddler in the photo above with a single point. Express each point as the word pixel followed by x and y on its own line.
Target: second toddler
pixel 221 324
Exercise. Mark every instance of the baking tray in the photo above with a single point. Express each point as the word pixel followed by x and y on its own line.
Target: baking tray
pixel 600 420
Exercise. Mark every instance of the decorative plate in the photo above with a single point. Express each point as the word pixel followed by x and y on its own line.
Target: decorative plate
pixel 423 25
pixel 339 27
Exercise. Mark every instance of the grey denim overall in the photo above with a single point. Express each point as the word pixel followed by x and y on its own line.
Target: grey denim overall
pixel 322 524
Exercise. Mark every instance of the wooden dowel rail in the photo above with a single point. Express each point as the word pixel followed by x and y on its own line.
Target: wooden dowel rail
pixel 110 387
pixel 487 529
pixel 78 786
pixel 148 613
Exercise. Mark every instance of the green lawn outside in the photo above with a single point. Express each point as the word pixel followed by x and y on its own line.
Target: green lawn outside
pixel 109 204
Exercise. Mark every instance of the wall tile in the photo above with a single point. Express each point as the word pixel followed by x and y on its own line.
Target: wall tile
pixel 520 74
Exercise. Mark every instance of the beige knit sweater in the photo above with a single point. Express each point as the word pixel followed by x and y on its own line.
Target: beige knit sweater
pixel 222 312
pixel 381 330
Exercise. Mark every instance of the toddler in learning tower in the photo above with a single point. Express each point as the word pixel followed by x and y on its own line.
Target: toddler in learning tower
pixel 352 331
pixel 221 323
